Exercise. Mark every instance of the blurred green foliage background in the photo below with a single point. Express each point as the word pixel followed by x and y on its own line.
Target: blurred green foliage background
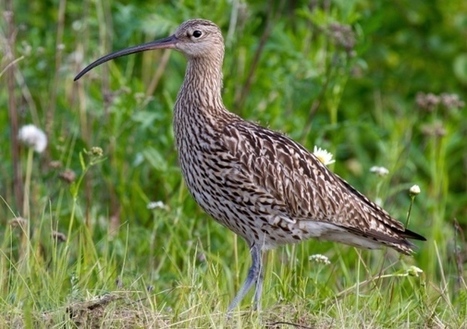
pixel 377 83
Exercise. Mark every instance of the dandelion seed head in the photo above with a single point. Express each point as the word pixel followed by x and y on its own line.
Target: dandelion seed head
pixel 323 155
pixel 318 258
pixel 414 190
pixel 380 171
pixel 33 137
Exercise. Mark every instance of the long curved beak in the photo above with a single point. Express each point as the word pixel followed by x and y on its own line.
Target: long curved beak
pixel 166 43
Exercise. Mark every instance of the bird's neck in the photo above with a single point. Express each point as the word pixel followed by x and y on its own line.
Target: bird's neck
pixel 202 86
pixel 199 110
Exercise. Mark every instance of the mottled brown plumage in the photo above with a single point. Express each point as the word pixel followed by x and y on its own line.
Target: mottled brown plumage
pixel 259 183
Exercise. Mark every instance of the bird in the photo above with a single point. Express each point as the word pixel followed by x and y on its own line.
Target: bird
pixel 259 183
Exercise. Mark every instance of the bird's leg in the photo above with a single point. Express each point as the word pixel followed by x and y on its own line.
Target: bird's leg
pixel 259 283
pixel 254 277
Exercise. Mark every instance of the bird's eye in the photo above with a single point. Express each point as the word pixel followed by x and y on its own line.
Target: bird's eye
pixel 197 33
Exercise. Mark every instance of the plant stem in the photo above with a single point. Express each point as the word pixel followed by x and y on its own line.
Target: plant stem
pixel 27 184
pixel 412 198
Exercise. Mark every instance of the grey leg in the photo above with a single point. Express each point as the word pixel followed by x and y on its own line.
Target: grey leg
pixel 254 277
pixel 259 286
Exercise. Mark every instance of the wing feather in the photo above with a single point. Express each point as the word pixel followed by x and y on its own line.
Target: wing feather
pixel 302 188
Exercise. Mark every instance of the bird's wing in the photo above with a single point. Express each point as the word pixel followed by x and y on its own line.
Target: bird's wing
pixel 302 187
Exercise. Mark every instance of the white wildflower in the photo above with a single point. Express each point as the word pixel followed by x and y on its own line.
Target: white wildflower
pixel 323 155
pixel 33 137
pixel 414 271
pixel 380 171
pixel 414 190
pixel 318 258
pixel 156 205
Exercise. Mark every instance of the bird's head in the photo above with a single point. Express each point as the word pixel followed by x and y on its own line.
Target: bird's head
pixel 196 38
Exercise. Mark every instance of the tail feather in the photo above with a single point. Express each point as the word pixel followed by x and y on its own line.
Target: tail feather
pixel 398 240
pixel 408 234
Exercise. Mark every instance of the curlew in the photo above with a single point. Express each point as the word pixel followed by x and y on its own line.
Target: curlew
pixel 258 183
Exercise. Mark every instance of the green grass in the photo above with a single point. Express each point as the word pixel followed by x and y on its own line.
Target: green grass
pixel 344 77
